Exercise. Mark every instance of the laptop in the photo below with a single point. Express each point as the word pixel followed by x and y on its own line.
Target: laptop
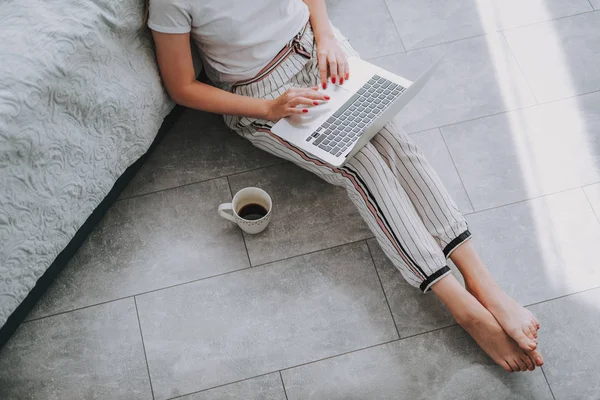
pixel 337 129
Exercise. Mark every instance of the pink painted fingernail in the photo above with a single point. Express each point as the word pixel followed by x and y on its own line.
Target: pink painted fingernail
pixel 304 110
pixel 347 75
pixel 327 97
pixel 333 80
pixel 324 85
pixel 315 103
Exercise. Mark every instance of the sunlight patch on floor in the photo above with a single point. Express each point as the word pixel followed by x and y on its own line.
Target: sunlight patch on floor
pixel 536 153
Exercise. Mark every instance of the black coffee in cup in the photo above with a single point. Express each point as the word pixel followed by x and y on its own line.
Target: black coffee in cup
pixel 252 212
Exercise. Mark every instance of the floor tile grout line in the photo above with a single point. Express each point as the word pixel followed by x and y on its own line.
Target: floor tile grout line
pixel 383 290
pixel 589 185
pixel 194 281
pixel 516 60
pixel 563 296
pixel 341 354
pixel 547 382
pixel 283 385
pixel 526 305
pixel 528 199
pixel 505 112
pixel 317 360
pixel 590 201
pixel 287 368
pixel 138 294
pixel 137 313
pixel 222 385
pixel 299 365
pixel 395 26
pixel 76 309
pixel 440 127
pixel 456 168
pixel 456 324
pixel 406 51
pixel 312 252
pixel 201 181
pixel 547 21
pixel 431 331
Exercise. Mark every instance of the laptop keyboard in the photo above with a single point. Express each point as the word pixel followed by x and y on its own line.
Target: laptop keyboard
pixel 346 125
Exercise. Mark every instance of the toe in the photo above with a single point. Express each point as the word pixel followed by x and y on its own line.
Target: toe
pixel 524 341
pixel 534 333
pixel 530 364
pixel 521 364
pixel 506 366
pixel 515 363
pixel 528 331
pixel 534 320
pixel 537 358
pixel 514 367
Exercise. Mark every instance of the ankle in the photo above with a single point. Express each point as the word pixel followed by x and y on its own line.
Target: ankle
pixel 480 285
pixel 466 309
pixel 463 306
pixel 468 313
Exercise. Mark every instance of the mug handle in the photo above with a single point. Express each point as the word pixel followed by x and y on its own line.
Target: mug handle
pixel 222 212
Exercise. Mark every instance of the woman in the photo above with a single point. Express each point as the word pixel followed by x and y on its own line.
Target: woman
pixel 267 60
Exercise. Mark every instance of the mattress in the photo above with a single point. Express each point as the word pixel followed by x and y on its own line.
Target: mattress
pixel 80 101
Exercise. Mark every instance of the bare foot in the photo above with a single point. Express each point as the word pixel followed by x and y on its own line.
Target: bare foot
pixel 482 326
pixel 489 335
pixel 518 322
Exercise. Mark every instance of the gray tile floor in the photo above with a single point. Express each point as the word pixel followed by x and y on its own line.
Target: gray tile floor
pixel 167 300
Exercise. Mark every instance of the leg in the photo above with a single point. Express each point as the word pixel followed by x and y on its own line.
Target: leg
pixel 393 219
pixel 413 172
pixel 445 222
pixel 407 229
pixel 516 320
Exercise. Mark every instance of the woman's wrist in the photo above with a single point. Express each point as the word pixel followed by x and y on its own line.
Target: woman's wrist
pixel 324 36
pixel 247 106
pixel 264 109
pixel 258 108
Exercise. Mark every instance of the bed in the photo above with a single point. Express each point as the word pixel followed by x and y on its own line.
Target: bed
pixel 80 103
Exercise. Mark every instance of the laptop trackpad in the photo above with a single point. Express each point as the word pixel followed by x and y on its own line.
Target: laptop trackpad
pixel 318 114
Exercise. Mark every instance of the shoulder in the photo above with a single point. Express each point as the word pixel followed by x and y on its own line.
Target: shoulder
pixel 179 4
pixel 169 16
pixel 183 6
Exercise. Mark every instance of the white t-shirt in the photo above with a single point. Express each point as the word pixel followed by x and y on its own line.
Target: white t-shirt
pixel 236 38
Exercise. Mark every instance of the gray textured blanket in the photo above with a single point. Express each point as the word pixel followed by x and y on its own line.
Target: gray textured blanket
pixel 80 100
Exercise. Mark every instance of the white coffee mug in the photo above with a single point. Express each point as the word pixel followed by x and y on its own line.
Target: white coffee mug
pixel 251 203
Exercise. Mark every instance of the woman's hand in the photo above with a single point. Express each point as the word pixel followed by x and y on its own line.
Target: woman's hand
pixel 332 61
pixel 287 104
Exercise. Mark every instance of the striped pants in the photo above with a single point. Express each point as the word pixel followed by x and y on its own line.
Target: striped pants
pixel 392 185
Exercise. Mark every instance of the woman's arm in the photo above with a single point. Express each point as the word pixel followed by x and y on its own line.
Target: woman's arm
pixel 319 19
pixel 330 55
pixel 174 57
